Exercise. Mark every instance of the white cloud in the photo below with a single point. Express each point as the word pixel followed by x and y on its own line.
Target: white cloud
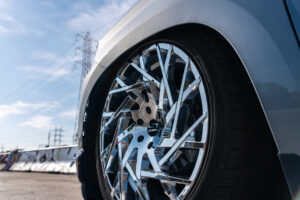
pixel 56 66
pixel 10 25
pixel 91 18
pixel 70 114
pixel 50 56
pixel 52 72
pixel 3 3
pixel 38 32
pixel 80 6
pixel 47 4
pixel 38 122
pixel 20 107
pixel 44 55
pixel 3 29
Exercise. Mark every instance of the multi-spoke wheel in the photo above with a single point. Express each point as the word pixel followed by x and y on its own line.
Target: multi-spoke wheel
pixel 154 126
pixel 175 119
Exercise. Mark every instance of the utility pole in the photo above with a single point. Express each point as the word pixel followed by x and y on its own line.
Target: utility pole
pixel 49 138
pixel 86 64
pixel 57 136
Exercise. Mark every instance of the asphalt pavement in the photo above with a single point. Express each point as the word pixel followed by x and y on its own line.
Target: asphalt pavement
pixel 38 186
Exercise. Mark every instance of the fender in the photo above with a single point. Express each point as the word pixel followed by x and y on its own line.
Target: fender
pixel 264 41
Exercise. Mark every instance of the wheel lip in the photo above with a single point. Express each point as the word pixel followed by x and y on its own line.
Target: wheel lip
pixel 199 63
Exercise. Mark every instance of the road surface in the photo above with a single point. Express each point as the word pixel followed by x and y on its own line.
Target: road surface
pixel 38 186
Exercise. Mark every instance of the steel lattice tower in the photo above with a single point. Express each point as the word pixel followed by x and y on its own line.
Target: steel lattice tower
pixel 86 64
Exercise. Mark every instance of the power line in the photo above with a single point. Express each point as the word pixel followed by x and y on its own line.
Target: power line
pixel 85 63
pixel 27 82
pixel 105 24
pixel 43 89
pixel 37 74
pixel 39 85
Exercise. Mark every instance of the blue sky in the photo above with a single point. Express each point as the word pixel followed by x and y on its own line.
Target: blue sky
pixel 38 82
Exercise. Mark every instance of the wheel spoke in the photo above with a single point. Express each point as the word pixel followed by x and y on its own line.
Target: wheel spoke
pixel 107 114
pixel 127 88
pixel 181 140
pixel 193 145
pixel 139 161
pixel 164 177
pixel 122 122
pixel 162 85
pixel 140 190
pixel 125 133
pixel 127 154
pixel 125 106
pixel 163 70
pixel 105 151
pixel 153 160
pixel 192 87
pixel 170 190
pixel 188 144
pixel 173 158
pixel 161 95
pixel 115 186
pixel 144 192
pixel 120 82
pixel 142 66
pixel 151 87
pixel 145 74
pixel 131 173
pixel 123 178
pixel 179 101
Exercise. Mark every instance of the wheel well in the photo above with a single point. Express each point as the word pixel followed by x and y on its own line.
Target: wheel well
pixel 181 30
pixel 276 179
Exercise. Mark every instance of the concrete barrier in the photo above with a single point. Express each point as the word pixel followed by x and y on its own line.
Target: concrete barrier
pixel 53 159
pixel 3 157
pixel 10 160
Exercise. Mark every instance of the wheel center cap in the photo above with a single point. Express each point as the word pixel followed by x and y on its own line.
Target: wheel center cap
pixel 153 127
pixel 148 111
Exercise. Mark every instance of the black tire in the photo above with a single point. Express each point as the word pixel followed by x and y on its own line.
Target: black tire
pixel 240 151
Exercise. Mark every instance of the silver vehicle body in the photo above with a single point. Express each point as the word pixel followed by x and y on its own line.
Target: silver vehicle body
pixel 263 36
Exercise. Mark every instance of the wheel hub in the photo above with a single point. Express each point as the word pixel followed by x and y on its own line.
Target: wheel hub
pixel 147 111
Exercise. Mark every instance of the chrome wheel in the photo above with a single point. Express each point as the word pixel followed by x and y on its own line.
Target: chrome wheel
pixel 154 126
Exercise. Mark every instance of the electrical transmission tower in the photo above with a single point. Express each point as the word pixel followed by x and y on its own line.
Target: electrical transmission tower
pixel 86 53
pixel 49 138
pixel 86 64
pixel 57 136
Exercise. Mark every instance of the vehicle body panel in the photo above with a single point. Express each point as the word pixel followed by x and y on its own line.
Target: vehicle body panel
pixel 294 11
pixel 261 34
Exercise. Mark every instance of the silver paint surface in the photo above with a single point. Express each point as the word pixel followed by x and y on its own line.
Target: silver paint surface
pixel 259 31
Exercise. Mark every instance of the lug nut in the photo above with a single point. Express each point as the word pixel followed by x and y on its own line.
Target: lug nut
pixel 140 122
pixel 140 138
pixel 148 110
pixel 150 145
